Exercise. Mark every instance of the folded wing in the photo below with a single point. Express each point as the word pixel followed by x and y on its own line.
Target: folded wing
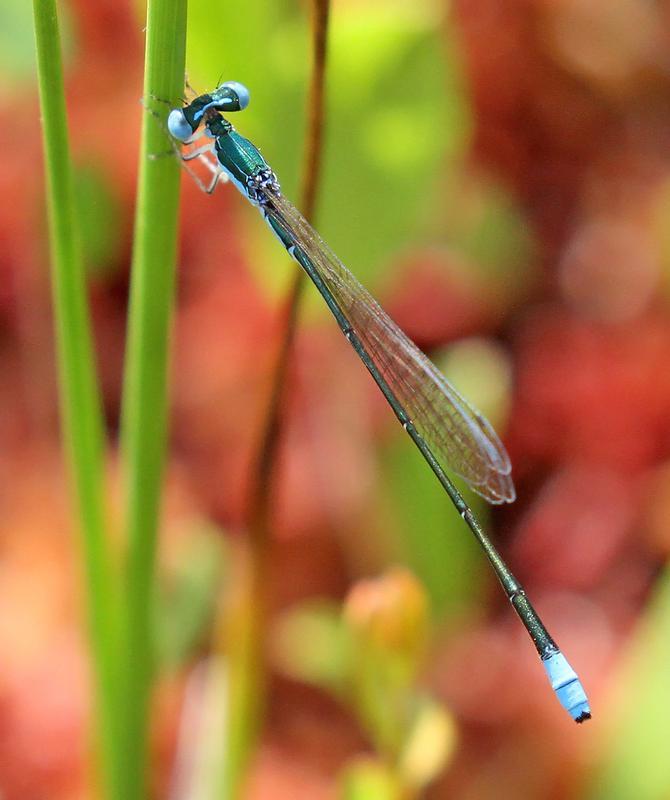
pixel 461 439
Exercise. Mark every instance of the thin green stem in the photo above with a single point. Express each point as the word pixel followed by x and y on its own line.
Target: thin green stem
pixel 247 668
pixel 82 423
pixel 144 417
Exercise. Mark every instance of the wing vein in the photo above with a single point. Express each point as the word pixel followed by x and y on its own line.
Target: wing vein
pixel 460 437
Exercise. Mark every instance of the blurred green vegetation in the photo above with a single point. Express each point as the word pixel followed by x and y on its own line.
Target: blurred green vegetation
pixel 17 43
pixel 633 757
pixel 396 115
pixel 187 596
pixel 426 533
pixel 369 779
pixel 369 654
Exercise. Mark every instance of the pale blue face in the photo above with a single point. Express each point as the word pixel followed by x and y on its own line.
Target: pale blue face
pixel 178 125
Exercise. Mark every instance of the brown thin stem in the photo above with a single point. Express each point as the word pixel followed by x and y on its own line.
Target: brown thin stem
pixel 249 594
pixel 266 456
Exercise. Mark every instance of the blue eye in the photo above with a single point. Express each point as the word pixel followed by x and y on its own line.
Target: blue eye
pixel 178 125
pixel 240 90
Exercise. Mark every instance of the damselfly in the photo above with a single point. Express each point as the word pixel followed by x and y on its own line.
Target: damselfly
pixel 445 428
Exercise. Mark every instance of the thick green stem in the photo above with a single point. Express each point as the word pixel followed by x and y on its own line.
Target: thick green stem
pixel 143 430
pixel 82 423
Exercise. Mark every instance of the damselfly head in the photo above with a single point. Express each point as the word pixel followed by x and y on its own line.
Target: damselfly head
pixel 229 96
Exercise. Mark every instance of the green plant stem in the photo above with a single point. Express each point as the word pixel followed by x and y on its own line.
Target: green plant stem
pixel 246 657
pixel 81 415
pixel 243 626
pixel 144 410
pixel 633 760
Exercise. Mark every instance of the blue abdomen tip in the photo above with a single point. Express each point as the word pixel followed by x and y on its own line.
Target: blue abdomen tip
pixel 568 687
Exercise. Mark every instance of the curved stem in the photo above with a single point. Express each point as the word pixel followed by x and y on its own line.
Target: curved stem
pixel 246 659
pixel 271 432
pixel 81 408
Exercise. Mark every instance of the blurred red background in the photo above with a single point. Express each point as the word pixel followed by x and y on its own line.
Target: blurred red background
pixel 570 115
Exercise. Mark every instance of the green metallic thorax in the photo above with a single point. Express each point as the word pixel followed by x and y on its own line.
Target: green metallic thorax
pixel 237 155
